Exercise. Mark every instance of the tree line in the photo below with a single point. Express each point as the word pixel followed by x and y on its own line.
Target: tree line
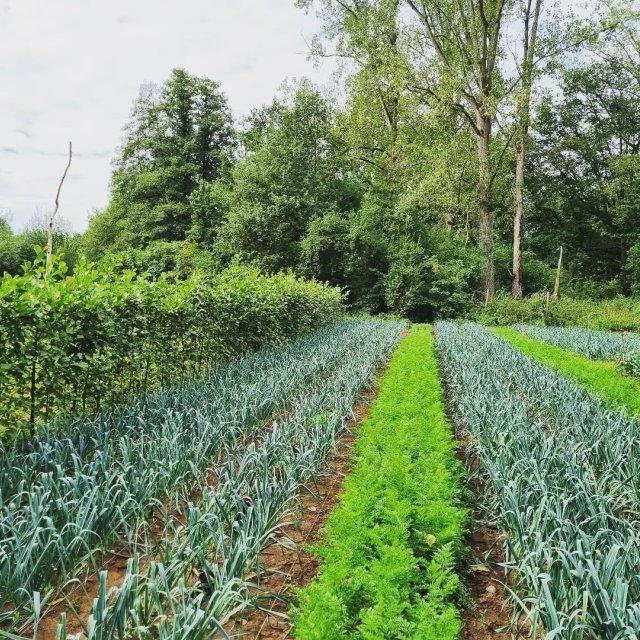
pixel 470 142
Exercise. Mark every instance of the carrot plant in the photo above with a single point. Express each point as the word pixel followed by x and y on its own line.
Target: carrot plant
pixel 391 544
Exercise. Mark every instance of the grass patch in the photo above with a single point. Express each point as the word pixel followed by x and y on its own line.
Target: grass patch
pixel 391 544
pixel 601 378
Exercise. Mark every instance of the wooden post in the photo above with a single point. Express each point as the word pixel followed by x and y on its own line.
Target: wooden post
pixel 556 290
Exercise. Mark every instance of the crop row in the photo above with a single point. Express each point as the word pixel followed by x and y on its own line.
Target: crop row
pixel 66 497
pixel 208 563
pixel 598 345
pixel 602 377
pixel 391 544
pixel 564 476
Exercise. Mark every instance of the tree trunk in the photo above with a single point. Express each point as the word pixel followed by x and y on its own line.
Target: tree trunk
pixel 531 22
pixel 556 289
pixel 624 281
pixel 485 214
pixel 50 225
pixel 516 286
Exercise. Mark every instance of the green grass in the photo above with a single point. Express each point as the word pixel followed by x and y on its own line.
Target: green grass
pixel 391 544
pixel 601 378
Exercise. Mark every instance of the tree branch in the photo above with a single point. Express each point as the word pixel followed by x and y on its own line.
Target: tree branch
pixel 55 211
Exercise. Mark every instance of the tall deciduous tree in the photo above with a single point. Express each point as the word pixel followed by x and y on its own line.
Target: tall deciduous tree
pixel 586 165
pixel 296 170
pixel 531 10
pixel 365 34
pixel 464 40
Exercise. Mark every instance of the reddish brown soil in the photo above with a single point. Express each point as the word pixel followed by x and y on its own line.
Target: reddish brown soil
pixel 80 596
pixel 490 615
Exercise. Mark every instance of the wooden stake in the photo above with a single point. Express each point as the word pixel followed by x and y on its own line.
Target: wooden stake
pixel 556 290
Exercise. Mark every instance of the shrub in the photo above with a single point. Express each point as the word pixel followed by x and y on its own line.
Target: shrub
pixel 75 344
pixel 631 365
pixel 619 314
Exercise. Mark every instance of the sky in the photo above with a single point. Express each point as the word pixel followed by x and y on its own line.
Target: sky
pixel 71 69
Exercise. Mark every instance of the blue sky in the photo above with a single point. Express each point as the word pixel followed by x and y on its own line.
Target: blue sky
pixel 70 70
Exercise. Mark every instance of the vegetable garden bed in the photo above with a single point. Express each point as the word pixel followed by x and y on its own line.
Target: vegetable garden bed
pixel 68 499
pixel 563 473
pixel 600 377
pixel 391 545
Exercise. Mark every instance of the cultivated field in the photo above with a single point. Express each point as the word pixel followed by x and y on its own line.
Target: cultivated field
pixel 485 486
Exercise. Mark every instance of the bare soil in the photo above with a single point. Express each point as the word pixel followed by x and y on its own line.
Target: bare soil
pixel 490 616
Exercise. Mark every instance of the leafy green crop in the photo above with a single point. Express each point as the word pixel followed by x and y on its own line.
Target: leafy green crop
pixel 596 345
pixel 602 378
pixel 391 544
pixel 563 476
pixel 631 365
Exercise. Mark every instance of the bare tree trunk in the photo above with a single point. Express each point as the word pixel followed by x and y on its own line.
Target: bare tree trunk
pixel 624 280
pixel 516 286
pixel 485 213
pixel 55 211
pixel 532 12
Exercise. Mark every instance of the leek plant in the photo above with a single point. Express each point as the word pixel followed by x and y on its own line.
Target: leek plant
pixel 563 474
pixel 65 497
pixel 207 566
pixel 596 345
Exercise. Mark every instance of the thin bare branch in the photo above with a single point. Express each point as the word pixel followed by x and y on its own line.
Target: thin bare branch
pixel 55 211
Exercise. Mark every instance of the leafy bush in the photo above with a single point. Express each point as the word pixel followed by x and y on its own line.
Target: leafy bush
pixel 75 344
pixel 631 365
pixel 619 314
pixel 428 279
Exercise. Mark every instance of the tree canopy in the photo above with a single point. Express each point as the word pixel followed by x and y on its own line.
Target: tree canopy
pixel 469 142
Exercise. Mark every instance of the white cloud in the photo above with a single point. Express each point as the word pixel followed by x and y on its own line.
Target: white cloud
pixel 70 70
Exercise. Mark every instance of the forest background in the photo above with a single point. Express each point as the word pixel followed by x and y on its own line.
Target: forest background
pixel 471 141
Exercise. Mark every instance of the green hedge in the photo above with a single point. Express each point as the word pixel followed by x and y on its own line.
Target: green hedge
pixel 76 344
pixel 618 314
pixel 391 544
